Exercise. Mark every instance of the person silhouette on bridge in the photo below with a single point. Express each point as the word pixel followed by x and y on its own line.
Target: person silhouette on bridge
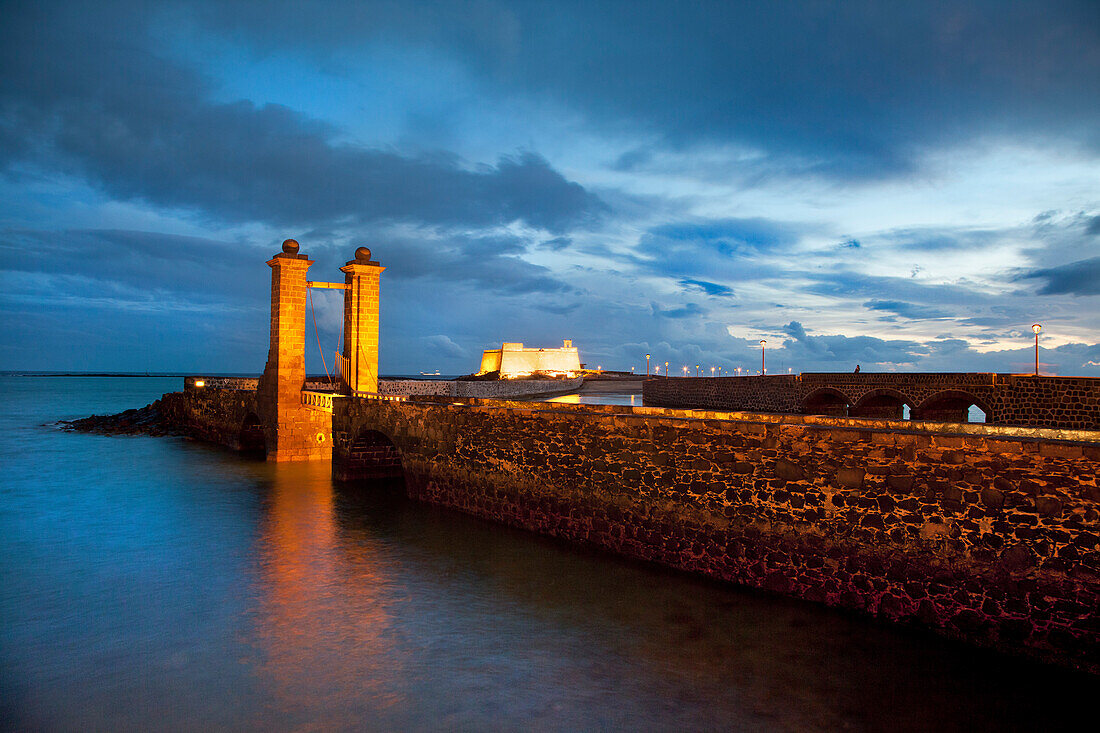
pixel 857 369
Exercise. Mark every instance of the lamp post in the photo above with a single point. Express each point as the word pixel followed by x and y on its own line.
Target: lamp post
pixel 762 370
pixel 1036 327
pixel 739 371
pixel 697 370
pixel 712 372
pixel 685 371
pixel 647 366
pixel 666 370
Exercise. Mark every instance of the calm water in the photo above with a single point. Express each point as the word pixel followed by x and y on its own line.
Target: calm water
pixel 159 583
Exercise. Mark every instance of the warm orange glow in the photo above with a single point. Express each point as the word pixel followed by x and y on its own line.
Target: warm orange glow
pixel 200 383
pixel 512 360
pixel 312 566
pixel 1036 327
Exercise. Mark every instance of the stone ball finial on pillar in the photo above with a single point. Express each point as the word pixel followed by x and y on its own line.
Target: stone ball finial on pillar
pixel 290 246
pixel 362 255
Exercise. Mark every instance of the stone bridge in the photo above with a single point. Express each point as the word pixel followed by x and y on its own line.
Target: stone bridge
pixel 982 532
pixel 985 532
pixel 1006 399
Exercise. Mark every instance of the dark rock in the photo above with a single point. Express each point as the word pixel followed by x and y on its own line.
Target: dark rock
pixel 850 478
pixel 993 498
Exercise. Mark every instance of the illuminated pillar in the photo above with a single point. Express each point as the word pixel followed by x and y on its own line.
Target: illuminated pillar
pixel 279 397
pixel 362 276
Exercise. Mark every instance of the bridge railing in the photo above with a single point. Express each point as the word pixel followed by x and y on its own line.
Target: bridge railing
pixel 318 400
pixel 344 367
pixel 380 397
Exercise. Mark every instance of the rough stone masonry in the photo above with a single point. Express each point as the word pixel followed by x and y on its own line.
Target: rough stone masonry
pixel 981 533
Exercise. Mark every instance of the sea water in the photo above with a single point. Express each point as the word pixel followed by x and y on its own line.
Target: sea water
pixel 163 584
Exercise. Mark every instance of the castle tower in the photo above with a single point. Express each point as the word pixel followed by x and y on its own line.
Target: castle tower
pixel 360 367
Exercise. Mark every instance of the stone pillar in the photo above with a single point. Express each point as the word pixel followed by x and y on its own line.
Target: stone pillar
pixel 288 426
pixel 362 276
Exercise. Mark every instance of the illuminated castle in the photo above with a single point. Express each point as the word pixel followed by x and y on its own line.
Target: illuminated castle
pixel 512 360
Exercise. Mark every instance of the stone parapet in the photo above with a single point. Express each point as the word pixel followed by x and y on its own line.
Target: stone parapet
pixel 1006 399
pixel 992 537
pixel 502 389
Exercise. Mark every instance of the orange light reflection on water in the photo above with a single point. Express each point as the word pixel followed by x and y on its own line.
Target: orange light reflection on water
pixel 323 626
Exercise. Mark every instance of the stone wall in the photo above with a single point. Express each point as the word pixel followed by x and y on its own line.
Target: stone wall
pixel 212 414
pixel 1006 399
pixel 503 388
pixel 415 387
pixel 982 533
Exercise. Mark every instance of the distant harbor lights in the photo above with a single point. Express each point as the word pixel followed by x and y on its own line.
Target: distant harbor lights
pixel 717 370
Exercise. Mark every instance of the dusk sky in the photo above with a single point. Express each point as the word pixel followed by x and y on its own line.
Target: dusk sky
pixel 906 186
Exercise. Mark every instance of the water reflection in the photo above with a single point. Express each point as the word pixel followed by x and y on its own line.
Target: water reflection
pixel 163 584
pixel 323 625
pixel 420 618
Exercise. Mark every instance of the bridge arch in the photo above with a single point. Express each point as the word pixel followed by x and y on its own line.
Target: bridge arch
pixel 372 455
pixel 251 439
pixel 951 405
pixel 882 403
pixel 826 401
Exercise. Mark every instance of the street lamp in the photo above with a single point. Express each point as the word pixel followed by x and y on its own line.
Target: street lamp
pixel 647 365
pixel 685 371
pixel 712 372
pixel 739 371
pixel 666 370
pixel 762 370
pixel 1036 328
pixel 697 370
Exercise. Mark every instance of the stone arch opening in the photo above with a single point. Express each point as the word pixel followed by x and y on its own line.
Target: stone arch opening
pixel 251 440
pixel 826 401
pixel 953 406
pixel 886 404
pixel 372 455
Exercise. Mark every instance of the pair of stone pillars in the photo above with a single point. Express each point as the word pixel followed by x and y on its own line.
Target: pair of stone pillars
pixel 293 431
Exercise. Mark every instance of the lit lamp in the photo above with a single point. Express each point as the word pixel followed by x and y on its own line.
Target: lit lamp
pixel 712 371
pixel 647 365
pixel 666 369
pixel 697 370
pixel 200 383
pixel 739 371
pixel 762 371
pixel 685 371
pixel 1036 327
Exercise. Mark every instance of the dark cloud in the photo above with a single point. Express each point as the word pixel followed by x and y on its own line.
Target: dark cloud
pixel 907 310
pixel 556 244
pixel 1093 225
pixel 1076 278
pixel 849 89
pixel 729 236
pixel 833 351
pixel 141 127
pixel 706 287
pixel 491 263
pixel 708 250
pixel 150 265
pixel 688 310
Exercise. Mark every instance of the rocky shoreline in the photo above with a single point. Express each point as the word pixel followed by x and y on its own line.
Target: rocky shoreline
pixel 148 420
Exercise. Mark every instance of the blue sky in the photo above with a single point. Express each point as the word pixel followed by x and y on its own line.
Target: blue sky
pixel 907 186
